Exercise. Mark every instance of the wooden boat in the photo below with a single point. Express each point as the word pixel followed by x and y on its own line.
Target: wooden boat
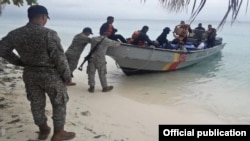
pixel 136 60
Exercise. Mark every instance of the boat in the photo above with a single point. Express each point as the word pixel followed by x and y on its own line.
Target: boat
pixel 133 59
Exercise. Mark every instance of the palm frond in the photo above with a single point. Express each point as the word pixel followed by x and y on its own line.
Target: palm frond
pixel 246 6
pixel 196 12
pixel 177 6
pixel 15 2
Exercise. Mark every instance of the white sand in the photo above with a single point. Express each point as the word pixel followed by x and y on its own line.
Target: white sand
pixel 99 116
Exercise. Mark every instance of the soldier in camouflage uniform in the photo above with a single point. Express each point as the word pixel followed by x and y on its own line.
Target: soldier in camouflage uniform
pixel 46 70
pixel 77 46
pixel 98 62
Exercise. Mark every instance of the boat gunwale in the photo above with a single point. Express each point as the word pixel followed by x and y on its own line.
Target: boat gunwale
pixel 171 50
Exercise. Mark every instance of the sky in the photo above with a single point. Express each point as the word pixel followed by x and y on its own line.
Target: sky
pixel 122 9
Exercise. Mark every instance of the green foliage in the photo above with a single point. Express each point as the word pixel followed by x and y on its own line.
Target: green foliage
pixel 18 2
pixel 15 2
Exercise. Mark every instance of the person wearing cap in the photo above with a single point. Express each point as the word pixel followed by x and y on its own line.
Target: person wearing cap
pixel 97 62
pixel 76 48
pixel 162 38
pixel 108 29
pixel 46 70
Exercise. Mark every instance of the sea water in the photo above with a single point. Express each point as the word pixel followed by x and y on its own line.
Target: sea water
pixel 220 84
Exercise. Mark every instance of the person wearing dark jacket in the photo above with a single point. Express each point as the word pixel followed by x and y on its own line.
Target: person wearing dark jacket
pixel 199 32
pixel 211 35
pixel 162 39
pixel 199 27
pixel 109 30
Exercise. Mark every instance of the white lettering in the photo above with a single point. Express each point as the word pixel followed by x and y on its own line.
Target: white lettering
pixel 218 132
pixel 166 132
pixel 199 134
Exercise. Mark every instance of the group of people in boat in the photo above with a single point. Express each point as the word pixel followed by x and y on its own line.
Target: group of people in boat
pixel 182 32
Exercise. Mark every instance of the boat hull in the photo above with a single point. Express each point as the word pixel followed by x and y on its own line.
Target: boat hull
pixel 133 59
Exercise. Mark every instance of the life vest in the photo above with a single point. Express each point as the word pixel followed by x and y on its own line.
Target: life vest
pixel 109 31
pixel 134 39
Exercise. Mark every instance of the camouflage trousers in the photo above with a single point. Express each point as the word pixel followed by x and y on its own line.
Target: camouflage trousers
pixel 101 69
pixel 37 84
pixel 73 62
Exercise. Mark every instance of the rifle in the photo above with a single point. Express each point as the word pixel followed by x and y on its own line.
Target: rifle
pixel 90 54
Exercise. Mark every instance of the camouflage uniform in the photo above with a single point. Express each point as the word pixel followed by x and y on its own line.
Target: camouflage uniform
pixel 45 69
pixel 98 61
pixel 74 51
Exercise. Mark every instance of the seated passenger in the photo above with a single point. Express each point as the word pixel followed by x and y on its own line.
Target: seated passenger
pixel 110 31
pixel 141 38
pixel 199 32
pixel 211 34
pixel 162 39
pixel 200 27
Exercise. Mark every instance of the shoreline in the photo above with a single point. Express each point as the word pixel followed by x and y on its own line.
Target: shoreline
pixel 93 116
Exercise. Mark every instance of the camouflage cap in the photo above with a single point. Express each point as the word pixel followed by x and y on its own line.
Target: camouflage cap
pixel 37 10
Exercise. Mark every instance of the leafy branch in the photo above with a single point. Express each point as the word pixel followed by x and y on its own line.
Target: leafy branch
pixel 15 2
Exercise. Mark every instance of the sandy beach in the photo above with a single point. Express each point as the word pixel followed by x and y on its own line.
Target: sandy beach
pixel 93 116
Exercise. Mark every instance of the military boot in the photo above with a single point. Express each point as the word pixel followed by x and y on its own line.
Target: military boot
pixel 91 89
pixel 61 135
pixel 71 84
pixel 44 131
pixel 108 88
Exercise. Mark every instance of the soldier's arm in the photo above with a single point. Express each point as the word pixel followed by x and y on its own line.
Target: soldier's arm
pixel 6 51
pixel 56 53
pixel 86 40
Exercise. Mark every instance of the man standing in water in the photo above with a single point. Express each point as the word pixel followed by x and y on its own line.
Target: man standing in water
pixel 46 70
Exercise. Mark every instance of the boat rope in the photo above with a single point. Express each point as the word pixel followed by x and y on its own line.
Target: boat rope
pixel 144 65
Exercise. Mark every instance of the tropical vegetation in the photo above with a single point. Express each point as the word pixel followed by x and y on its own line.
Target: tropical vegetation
pixel 18 3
